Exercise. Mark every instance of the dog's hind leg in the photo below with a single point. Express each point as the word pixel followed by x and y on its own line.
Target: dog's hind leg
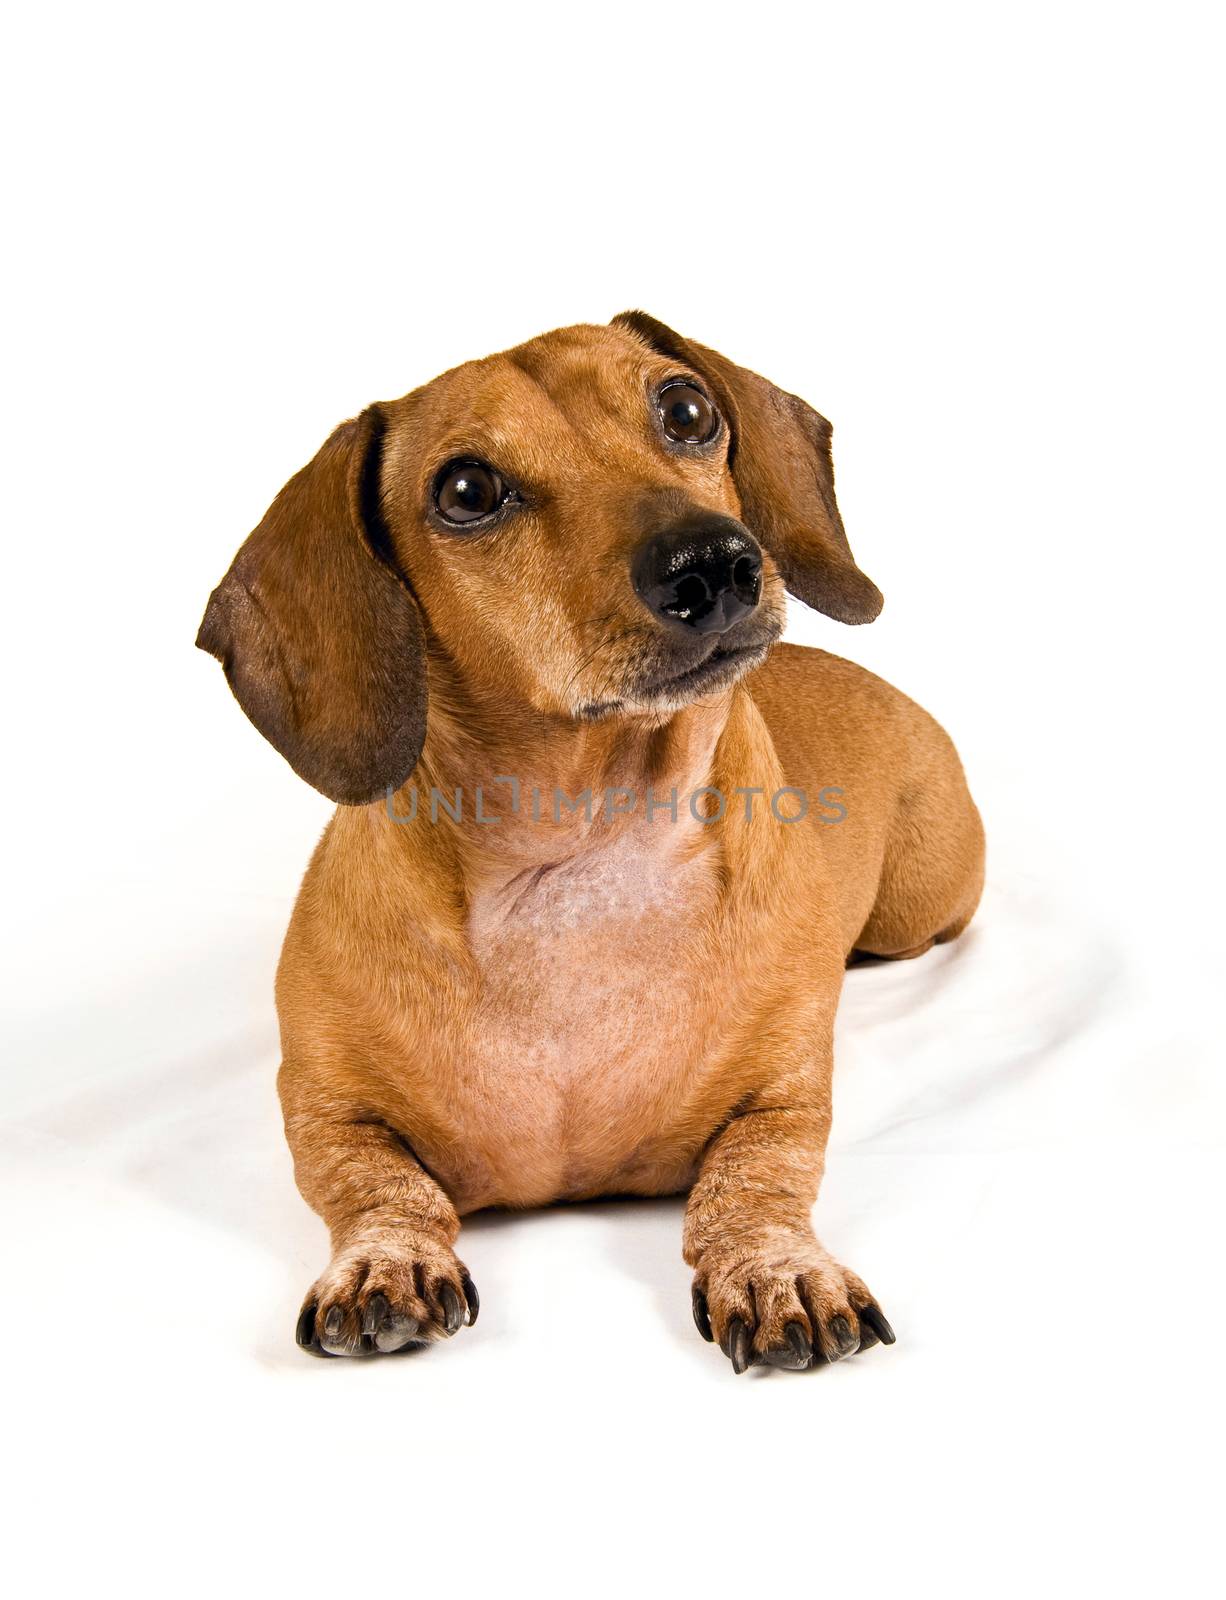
pixel 932 872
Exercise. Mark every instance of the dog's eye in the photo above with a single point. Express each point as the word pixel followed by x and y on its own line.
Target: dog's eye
pixel 688 416
pixel 467 491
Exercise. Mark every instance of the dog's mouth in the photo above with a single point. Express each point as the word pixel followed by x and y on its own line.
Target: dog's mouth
pixel 665 689
pixel 724 664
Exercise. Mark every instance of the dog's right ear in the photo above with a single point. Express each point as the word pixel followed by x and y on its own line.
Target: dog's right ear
pixel 779 453
pixel 321 641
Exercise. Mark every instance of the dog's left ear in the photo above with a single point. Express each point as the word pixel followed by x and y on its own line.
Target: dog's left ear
pixel 779 454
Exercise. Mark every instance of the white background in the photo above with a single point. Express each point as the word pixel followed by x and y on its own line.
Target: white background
pixel 984 241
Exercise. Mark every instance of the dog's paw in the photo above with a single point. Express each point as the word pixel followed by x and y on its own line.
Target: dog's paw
pixel 385 1298
pixel 790 1306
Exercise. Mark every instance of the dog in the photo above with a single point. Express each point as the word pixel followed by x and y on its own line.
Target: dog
pixel 554 573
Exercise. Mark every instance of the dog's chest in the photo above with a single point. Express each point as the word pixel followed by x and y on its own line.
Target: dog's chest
pixel 593 1013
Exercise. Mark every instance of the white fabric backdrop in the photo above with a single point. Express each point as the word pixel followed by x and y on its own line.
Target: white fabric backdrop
pixel 983 244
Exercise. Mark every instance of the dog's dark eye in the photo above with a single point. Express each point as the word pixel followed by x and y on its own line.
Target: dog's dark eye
pixel 688 416
pixel 467 491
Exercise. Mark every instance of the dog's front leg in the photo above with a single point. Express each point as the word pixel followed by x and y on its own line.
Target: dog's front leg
pixel 764 1287
pixel 394 1280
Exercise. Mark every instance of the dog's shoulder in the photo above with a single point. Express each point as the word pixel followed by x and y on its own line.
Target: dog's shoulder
pixel 825 713
pixel 795 677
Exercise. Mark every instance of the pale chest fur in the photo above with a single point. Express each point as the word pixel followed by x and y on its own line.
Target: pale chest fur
pixel 598 1000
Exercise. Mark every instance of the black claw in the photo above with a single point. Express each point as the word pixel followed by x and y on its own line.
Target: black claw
pixel 738 1345
pixel 796 1355
pixel 471 1295
pixel 844 1339
pixel 873 1317
pixel 376 1311
pixel 304 1333
pixel 333 1321
pixel 796 1336
pixel 453 1311
pixel 307 1331
pixel 396 1334
pixel 702 1317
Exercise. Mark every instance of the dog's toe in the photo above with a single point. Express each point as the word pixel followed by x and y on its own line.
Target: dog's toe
pixel 873 1319
pixel 735 1345
pixel 794 1354
pixel 385 1330
pixel 453 1310
pixel 471 1296
pixel 702 1316
pixel 304 1333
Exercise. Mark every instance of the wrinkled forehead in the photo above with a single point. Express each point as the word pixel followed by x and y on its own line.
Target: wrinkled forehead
pixel 535 409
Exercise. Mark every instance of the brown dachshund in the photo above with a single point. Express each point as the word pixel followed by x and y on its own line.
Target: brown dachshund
pixel 604 847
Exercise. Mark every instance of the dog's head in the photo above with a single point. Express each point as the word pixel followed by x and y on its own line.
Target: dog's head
pixel 599 523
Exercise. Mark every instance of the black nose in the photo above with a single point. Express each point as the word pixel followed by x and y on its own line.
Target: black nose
pixel 705 575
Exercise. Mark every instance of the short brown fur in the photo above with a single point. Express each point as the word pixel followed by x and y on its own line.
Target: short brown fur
pixel 512 1014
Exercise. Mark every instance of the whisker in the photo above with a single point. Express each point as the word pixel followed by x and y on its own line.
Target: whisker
pixel 599 622
pixel 625 636
pixel 584 663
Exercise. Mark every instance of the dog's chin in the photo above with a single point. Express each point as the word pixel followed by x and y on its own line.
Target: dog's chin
pixel 666 689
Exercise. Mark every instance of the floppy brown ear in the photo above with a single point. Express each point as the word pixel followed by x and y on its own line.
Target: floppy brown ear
pixel 320 639
pixel 780 460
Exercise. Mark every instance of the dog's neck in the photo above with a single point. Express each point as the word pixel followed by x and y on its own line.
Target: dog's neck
pixel 558 787
pixel 503 789
pixel 542 862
